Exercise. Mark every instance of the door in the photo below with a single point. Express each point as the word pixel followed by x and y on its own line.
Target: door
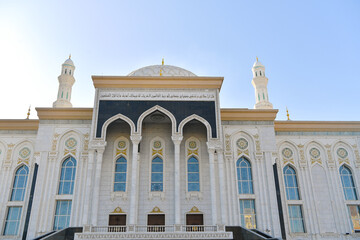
pixel 117 223
pixel 194 223
pixel 156 223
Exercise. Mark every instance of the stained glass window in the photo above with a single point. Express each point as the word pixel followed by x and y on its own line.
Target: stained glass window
pixel 348 183
pixel 354 211
pixel 19 186
pixel 244 177
pixel 193 175
pixel 120 175
pixel 62 214
pixel 67 176
pixel 291 185
pixel 12 221
pixel 157 175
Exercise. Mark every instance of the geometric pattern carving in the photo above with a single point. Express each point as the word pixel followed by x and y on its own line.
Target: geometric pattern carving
pixel 342 154
pixel 287 152
pixel 24 152
pixel 315 155
pixel 357 155
pixel 157 148
pixel 121 148
pixel 118 210
pixel 242 143
pixel 157 144
pixel 156 210
pixel 71 143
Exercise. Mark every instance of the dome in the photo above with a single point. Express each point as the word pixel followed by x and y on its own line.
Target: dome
pixel 69 62
pixel 166 70
pixel 258 64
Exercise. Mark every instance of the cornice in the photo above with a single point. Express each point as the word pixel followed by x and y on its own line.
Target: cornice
pixel 64 113
pixel 157 82
pixel 19 124
pixel 317 126
pixel 245 114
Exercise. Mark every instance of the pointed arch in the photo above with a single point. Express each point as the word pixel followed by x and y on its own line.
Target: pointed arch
pixel 153 109
pixel 200 119
pixel 347 182
pixel 67 176
pixel 291 182
pixel 114 118
pixel 244 176
pixel 20 182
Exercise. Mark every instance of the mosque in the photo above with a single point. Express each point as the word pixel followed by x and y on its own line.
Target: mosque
pixel 158 158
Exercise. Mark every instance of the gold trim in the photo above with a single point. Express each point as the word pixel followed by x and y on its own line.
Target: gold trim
pixel 317 126
pixel 19 124
pixel 118 152
pixel 118 210
pixel 67 151
pixel 157 82
pixel 157 151
pixel 194 210
pixel 156 210
pixel 196 152
pixel 64 113
pixel 244 114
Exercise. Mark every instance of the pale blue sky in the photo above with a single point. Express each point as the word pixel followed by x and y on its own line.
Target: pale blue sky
pixel 310 49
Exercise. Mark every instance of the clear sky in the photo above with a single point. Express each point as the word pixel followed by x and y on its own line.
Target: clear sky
pixel 311 50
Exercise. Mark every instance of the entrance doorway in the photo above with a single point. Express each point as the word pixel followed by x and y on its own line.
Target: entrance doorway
pixel 117 223
pixel 156 223
pixel 194 222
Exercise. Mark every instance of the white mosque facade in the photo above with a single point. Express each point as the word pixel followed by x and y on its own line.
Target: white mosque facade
pixel 156 154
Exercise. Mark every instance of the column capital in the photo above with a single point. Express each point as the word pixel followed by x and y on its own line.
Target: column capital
pixel 135 138
pixel 177 138
pixel 97 144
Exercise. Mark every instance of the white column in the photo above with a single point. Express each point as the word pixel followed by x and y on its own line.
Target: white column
pixel 88 184
pixel 177 140
pixel 212 184
pixel 134 179
pixel 222 186
pixel 96 192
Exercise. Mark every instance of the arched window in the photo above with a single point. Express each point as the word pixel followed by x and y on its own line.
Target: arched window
pixel 19 186
pixel 120 175
pixel 348 183
pixel 291 185
pixel 65 71
pixel 244 176
pixel 193 175
pixel 70 71
pixel 67 176
pixel 157 175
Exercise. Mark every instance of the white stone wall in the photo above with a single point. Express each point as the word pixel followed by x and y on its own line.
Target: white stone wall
pixel 324 206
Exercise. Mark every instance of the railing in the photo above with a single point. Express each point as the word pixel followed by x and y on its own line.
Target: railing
pixel 155 228
pixel 109 229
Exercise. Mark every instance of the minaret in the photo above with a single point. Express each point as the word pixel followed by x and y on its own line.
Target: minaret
pixel 66 81
pixel 260 84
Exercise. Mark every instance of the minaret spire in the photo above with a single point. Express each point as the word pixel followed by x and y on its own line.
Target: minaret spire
pixel 260 84
pixel 66 81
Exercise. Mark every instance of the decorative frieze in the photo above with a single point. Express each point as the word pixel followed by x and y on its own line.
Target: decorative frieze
pixel 9 152
pixel 302 160
pixel 155 95
pixel 330 162
pixel 54 141
pixel 287 155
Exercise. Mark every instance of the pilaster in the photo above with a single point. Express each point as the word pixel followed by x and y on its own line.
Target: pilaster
pixel 135 139
pixel 177 141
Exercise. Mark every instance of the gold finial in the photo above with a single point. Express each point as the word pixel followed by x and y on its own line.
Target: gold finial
pixel 160 72
pixel 28 113
pixel 70 56
pixel 162 62
pixel 287 114
pixel 257 59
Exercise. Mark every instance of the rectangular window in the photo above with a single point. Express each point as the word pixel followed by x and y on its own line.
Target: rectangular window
pixel 296 219
pixel 12 221
pixel 354 211
pixel 247 213
pixel 62 214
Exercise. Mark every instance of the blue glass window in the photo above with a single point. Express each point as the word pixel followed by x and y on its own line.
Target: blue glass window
pixel 120 175
pixel 247 213
pixel 193 175
pixel 62 214
pixel 19 186
pixel 157 175
pixel 67 176
pixel 244 177
pixel 12 221
pixel 291 186
pixel 348 183
pixel 296 219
